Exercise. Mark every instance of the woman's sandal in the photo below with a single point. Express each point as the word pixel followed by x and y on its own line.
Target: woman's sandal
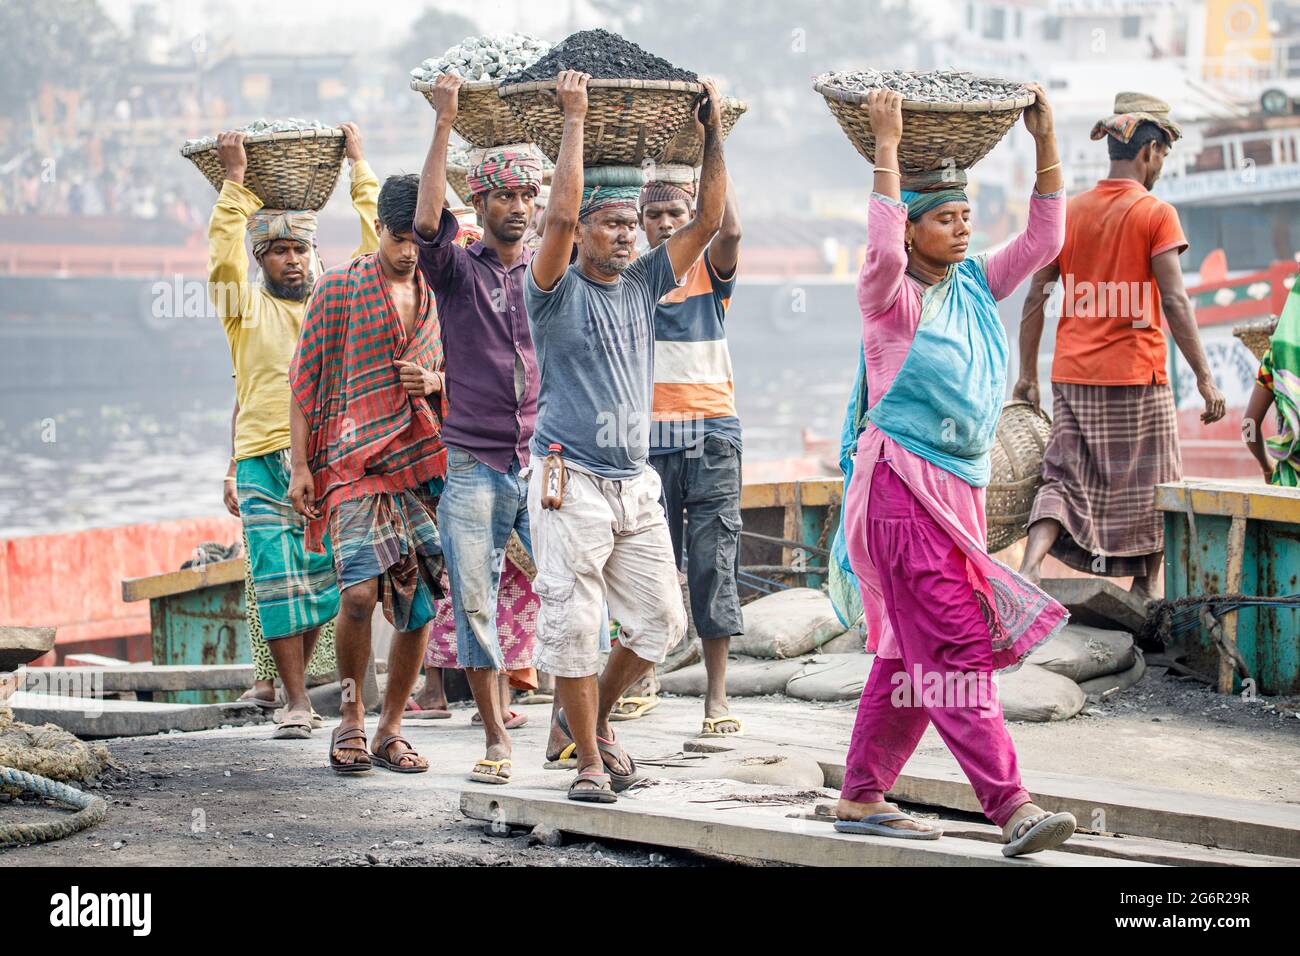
pixel 877 824
pixel 1042 831
pixel 497 771
pixel 380 757
pixel 599 792
pixel 341 739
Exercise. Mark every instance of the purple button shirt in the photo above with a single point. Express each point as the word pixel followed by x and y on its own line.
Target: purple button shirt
pixel 484 336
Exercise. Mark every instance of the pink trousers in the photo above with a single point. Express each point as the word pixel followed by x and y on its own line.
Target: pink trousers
pixel 945 674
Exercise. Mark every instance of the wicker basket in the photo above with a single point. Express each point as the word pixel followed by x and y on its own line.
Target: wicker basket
pixel 458 180
pixel 1016 463
pixel 687 148
pixel 628 121
pixel 296 169
pixel 482 119
pixel 935 135
pixel 1256 335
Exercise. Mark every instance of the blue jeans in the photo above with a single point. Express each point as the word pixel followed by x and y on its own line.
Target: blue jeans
pixel 478 509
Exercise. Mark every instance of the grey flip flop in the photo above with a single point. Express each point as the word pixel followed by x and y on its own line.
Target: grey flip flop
pixel 1046 830
pixel 605 793
pixel 877 824
pixel 619 781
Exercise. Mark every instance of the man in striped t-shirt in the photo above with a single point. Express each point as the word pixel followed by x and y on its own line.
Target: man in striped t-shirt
pixel 695 441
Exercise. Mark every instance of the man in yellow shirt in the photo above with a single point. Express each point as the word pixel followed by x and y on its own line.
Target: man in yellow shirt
pixel 295 591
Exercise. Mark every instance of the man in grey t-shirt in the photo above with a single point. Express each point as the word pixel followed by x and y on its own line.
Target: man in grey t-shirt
pixel 593 328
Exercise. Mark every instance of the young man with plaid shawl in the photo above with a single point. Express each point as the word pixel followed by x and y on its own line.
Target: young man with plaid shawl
pixel 365 423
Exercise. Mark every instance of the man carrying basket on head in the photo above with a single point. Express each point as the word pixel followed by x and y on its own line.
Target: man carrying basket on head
pixel 938 609
pixel 294 592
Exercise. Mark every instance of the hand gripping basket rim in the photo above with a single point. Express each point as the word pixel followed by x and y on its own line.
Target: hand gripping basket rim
pixel 485 127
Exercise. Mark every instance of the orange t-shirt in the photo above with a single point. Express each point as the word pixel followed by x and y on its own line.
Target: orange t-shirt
pixel 1109 333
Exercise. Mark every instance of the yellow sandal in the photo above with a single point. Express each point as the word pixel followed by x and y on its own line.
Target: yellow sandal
pixel 640 707
pixel 711 727
pixel 493 774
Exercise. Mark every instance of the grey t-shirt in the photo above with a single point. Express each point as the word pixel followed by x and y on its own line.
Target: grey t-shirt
pixel 595 345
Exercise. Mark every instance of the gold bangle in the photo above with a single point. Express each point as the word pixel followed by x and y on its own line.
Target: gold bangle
pixel 886 169
pixel 228 478
pixel 1048 169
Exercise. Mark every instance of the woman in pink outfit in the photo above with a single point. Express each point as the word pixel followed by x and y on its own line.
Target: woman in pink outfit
pixel 942 615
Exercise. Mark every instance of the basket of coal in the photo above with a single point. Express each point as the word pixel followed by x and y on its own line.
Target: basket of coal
pixel 636 102
pixel 292 163
pixel 482 118
pixel 950 118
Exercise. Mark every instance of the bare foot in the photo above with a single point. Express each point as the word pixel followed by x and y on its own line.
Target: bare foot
pixel 852 810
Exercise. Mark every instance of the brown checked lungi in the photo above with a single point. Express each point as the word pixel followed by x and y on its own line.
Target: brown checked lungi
pixel 1110 446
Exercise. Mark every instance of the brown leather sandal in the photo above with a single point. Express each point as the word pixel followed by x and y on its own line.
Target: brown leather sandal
pixel 380 756
pixel 340 740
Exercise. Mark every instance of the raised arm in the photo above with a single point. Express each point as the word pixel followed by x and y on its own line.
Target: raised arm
pixel 365 190
pixel 724 250
pixel 228 286
pixel 1044 234
pixel 1031 331
pixel 433 178
pixel 885 263
pixel 692 239
pixel 552 256
pixel 1177 307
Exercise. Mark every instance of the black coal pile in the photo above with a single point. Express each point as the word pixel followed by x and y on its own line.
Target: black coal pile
pixel 604 55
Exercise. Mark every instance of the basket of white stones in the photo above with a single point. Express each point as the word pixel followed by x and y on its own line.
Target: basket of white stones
pixel 950 118
pixel 483 119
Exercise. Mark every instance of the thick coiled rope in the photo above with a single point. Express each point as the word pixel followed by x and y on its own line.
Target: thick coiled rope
pixel 90 809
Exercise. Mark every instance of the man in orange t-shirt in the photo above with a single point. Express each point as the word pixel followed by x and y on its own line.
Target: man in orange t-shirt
pixel 1115 428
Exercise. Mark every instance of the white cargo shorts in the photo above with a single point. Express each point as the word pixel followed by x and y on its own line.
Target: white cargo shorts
pixel 609 542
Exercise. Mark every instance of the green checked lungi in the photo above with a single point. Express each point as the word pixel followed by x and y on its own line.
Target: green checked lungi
pixel 295 589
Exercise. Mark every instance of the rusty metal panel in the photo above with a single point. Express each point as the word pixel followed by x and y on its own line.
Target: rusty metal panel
pixel 203 626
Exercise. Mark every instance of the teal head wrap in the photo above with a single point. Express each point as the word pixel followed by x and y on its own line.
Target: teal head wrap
pixel 924 191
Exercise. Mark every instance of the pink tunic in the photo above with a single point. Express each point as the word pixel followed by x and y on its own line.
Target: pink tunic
pixel 1020 614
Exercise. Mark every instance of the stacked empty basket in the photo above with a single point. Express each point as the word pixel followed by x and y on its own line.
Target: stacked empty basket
pixel 297 169
pixel 1016 466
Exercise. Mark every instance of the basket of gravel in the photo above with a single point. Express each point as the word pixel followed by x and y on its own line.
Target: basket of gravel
pixel 636 101
pixel 1257 334
pixel 1016 471
pixel 291 164
pixel 482 119
pixel 687 147
pixel 950 118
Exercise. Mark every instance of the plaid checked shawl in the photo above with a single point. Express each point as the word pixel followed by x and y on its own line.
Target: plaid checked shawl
pixel 367 435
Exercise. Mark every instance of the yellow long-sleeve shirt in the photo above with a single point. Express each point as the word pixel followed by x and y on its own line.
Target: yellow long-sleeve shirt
pixel 263 330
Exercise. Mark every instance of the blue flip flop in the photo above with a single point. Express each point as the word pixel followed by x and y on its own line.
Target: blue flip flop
pixel 877 825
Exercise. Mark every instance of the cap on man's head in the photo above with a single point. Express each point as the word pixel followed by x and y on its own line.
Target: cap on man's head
pixel 1131 111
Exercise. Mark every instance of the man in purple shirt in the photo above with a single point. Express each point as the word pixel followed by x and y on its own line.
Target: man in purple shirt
pixel 491 389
